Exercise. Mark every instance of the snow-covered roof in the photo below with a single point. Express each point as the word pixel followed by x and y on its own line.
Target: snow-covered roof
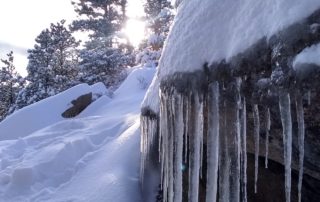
pixel 209 31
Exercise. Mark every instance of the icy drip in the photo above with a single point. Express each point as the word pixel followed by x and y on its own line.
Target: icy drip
pixel 268 126
pixel 301 133
pixel 148 131
pixel 224 163
pixel 244 151
pixel 172 136
pixel 142 165
pixel 164 146
pixel 213 143
pixel 229 159
pixel 285 111
pixel 178 154
pixel 195 136
pixel 256 122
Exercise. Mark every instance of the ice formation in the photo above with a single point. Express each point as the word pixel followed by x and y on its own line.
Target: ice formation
pixel 217 69
pixel 301 131
pixel 285 111
pixel 268 126
pixel 256 144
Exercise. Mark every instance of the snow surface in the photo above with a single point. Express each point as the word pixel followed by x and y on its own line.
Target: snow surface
pixel 209 31
pixel 94 157
pixel 44 113
pixel 310 55
pixel 308 61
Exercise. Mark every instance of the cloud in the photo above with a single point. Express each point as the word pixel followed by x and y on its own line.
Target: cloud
pixel 6 48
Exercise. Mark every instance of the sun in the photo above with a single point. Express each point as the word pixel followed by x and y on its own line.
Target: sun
pixel 135 31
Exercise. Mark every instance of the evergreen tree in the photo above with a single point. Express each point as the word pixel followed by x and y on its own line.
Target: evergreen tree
pixel 10 84
pixel 103 17
pixel 52 65
pixel 159 18
pixel 104 57
pixel 102 63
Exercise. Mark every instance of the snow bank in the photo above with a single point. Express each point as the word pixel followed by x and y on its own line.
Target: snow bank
pixel 209 31
pixel 307 61
pixel 94 157
pixel 45 112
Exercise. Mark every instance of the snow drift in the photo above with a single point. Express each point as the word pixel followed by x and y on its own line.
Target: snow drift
pixel 44 112
pixel 93 157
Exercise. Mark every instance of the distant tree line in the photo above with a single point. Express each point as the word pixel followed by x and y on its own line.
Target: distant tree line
pixel 58 62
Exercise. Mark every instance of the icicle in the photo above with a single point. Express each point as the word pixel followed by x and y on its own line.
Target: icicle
pixel 309 97
pixel 268 126
pixel 301 132
pixel 165 145
pixel 224 163
pixel 186 125
pixel 256 144
pixel 244 151
pixel 178 133
pixel 194 151
pixel 285 111
pixel 172 137
pixel 213 143
pixel 230 151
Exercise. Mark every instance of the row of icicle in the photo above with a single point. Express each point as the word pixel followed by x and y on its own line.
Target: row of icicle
pixel 181 139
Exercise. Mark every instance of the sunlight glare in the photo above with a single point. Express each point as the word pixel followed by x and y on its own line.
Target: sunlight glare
pixel 135 31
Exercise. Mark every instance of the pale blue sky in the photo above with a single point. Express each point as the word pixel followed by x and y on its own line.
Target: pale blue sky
pixel 21 21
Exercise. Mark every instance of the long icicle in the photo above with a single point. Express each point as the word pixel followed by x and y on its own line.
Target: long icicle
pixel 244 151
pixel 178 154
pixel 213 143
pixel 194 152
pixel 224 163
pixel 172 140
pixel 301 134
pixel 285 111
pixel 256 121
pixel 164 147
pixel 268 126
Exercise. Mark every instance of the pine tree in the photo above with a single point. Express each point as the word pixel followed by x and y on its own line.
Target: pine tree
pixel 104 57
pixel 100 63
pixel 10 84
pixel 103 17
pixel 52 65
pixel 159 16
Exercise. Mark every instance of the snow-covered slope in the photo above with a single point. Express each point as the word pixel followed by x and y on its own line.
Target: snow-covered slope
pixel 44 112
pixel 94 157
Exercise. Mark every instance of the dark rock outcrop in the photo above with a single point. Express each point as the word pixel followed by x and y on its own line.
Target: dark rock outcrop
pixel 79 105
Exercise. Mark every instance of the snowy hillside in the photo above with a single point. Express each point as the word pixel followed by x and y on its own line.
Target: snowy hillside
pixel 93 157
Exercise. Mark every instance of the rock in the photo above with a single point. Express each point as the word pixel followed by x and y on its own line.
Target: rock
pixel 79 105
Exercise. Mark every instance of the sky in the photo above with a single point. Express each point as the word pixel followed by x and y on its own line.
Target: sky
pixel 21 21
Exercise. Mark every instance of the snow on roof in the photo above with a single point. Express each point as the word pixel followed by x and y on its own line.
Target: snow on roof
pixel 209 31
